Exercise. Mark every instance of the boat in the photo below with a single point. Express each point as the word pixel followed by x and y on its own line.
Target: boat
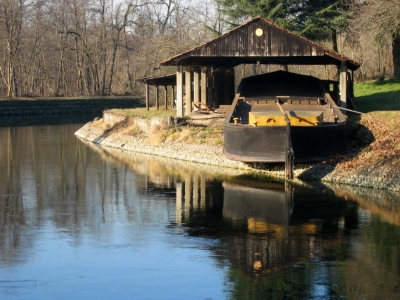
pixel 280 111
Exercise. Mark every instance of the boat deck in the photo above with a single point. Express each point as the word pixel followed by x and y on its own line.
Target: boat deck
pixel 300 105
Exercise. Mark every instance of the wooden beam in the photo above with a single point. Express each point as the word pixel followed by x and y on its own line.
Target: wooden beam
pixel 166 97
pixel 147 96
pixel 343 85
pixel 179 92
pixel 188 91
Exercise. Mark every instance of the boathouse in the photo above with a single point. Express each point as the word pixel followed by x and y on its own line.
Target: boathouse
pixel 206 75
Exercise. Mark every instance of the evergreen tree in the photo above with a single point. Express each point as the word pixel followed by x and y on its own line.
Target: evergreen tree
pixel 318 20
pixel 239 11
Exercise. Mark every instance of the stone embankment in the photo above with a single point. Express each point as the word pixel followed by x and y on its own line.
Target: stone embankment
pixel 33 106
pixel 114 131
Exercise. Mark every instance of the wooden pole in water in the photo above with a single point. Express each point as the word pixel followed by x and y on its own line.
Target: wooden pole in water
pixel 289 159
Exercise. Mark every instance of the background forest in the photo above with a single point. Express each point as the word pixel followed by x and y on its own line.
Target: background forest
pixel 100 47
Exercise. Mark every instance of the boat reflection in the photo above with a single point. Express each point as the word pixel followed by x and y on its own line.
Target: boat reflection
pixel 265 225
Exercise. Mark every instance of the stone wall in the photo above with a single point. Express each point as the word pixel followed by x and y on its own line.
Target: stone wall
pixel 146 125
pixel 65 106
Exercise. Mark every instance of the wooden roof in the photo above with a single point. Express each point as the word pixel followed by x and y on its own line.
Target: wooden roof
pixel 163 80
pixel 272 45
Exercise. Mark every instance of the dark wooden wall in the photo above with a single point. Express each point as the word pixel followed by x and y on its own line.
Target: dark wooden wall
pixel 274 42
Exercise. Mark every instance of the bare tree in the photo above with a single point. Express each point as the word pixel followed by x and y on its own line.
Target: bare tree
pixel 11 19
pixel 382 19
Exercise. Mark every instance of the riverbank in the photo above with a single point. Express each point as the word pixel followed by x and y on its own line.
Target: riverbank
pixel 372 159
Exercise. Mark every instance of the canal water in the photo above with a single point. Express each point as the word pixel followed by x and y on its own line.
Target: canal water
pixel 81 222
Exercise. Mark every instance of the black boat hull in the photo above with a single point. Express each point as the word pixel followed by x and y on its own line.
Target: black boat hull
pixel 268 144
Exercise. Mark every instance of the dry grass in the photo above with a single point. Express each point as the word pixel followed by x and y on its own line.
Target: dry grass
pixel 374 139
pixel 187 134
pixel 143 113
pixel 375 142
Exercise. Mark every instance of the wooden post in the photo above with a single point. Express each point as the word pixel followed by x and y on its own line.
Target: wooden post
pixel 188 91
pixel 203 85
pixel 157 100
pixel 147 96
pixel 173 96
pixel 166 97
pixel 210 87
pixel 343 85
pixel 196 86
pixel 179 92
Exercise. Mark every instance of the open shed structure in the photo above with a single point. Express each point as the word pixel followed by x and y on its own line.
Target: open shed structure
pixel 159 81
pixel 209 68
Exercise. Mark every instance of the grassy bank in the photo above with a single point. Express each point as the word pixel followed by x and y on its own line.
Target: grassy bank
pixel 377 96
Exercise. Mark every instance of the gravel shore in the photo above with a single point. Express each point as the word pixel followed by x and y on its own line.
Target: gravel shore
pixel 96 132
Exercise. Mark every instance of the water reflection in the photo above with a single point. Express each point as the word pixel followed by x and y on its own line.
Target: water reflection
pixel 139 224
pixel 296 241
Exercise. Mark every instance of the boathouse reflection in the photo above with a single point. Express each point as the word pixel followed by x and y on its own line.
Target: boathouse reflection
pixel 266 225
pixel 261 223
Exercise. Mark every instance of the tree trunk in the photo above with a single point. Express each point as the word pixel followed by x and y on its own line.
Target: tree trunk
pixel 334 41
pixel 396 57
